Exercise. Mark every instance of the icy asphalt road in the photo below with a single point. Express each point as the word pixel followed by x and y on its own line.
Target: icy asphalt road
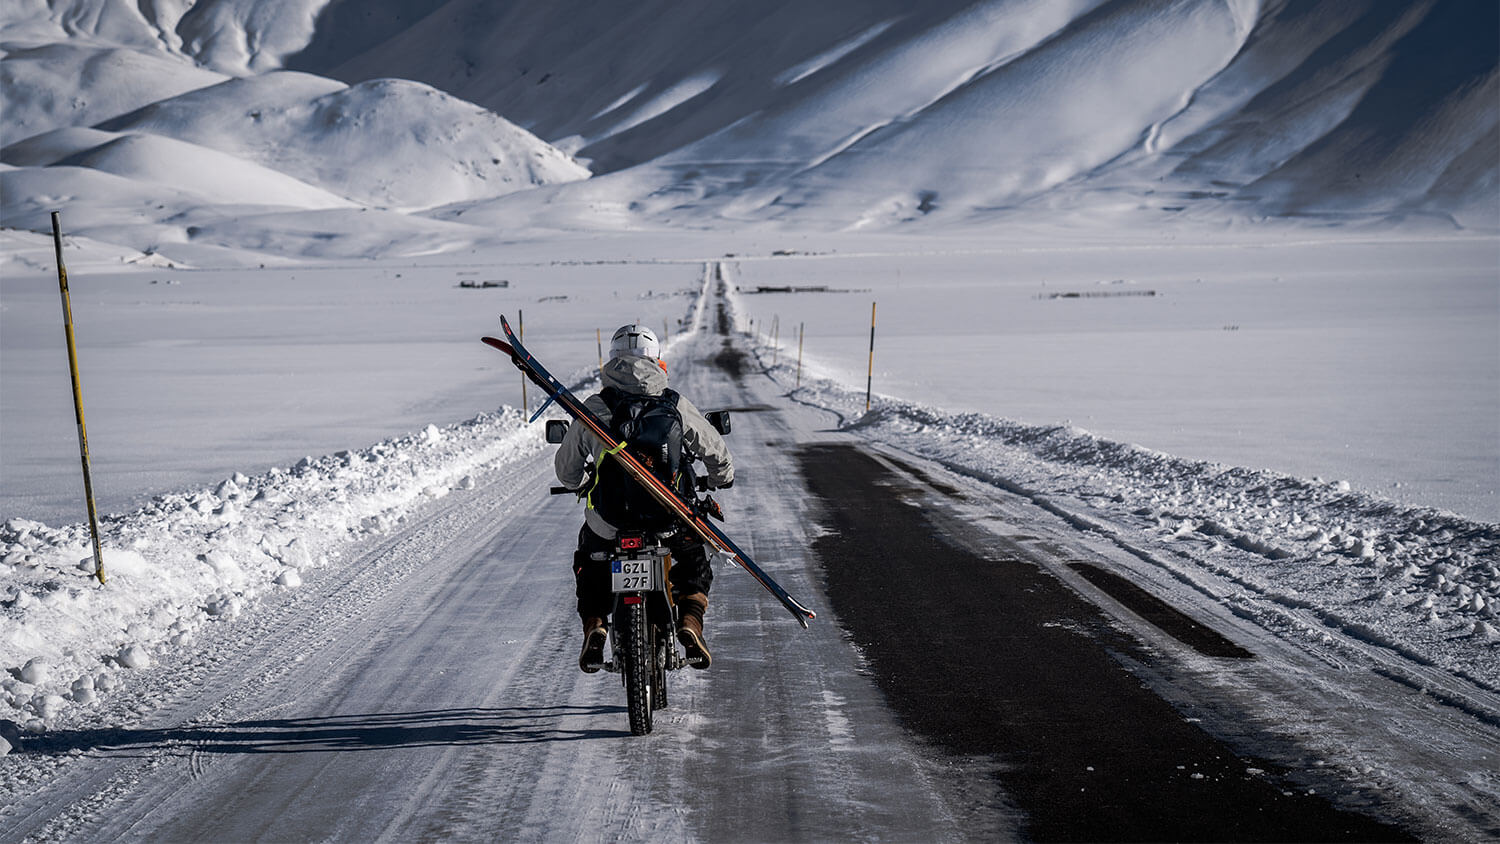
pixel 428 689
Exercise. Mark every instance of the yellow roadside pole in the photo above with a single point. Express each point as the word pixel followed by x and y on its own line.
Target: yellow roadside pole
pixel 801 330
pixel 870 375
pixel 83 437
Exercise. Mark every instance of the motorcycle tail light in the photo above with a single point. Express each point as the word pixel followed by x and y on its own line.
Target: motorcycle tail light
pixel 633 599
pixel 632 543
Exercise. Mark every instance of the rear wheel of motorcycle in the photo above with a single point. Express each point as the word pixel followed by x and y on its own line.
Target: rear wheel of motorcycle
pixel 639 651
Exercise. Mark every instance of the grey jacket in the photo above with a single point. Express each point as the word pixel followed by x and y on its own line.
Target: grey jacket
pixel 638 376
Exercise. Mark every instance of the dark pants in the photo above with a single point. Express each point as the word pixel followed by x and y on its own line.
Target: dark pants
pixel 690 573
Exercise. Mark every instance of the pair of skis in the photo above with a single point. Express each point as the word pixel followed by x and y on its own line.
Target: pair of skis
pixel 664 494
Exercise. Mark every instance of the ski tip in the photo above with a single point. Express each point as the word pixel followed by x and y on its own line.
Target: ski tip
pixel 497 343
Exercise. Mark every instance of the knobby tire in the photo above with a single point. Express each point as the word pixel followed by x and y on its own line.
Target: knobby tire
pixel 639 653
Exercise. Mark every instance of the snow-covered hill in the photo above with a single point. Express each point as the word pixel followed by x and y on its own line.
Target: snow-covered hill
pixel 236 37
pixel 849 112
pixel 114 119
pixel 63 85
pixel 835 115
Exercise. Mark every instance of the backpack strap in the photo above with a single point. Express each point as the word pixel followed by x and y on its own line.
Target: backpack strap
pixel 611 396
pixel 614 397
pixel 589 498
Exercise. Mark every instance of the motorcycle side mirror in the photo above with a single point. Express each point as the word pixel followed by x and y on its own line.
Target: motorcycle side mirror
pixel 556 430
pixel 720 420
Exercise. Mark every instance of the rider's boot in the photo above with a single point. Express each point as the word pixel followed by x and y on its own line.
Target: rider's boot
pixel 595 635
pixel 690 629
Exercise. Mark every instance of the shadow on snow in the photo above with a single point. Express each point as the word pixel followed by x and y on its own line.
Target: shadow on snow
pixel 337 733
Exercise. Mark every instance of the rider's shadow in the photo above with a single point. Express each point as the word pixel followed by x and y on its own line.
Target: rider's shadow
pixel 335 733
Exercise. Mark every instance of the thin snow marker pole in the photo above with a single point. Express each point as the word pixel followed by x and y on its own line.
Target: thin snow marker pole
pixel 521 327
pixel 870 374
pixel 775 339
pixel 83 437
pixel 666 334
pixel 599 339
pixel 801 332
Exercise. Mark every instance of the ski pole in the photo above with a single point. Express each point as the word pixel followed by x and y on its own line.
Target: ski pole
pixel 83 437
pixel 521 328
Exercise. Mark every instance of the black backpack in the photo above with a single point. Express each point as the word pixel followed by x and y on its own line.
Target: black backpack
pixel 651 429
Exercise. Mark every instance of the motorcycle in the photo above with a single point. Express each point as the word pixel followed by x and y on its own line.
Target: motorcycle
pixel 643 623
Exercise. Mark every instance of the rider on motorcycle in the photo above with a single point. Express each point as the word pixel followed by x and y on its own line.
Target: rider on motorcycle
pixel 635 368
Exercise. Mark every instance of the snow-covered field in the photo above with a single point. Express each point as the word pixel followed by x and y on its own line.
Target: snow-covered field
pixel 1375 362
pixel 192 376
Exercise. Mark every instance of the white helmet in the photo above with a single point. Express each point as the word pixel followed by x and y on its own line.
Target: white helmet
pixel 634 340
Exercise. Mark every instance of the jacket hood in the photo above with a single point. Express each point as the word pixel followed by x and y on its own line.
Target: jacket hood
pixel 635 375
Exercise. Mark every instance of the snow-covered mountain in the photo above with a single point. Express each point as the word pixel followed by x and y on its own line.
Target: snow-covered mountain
pixel 840 114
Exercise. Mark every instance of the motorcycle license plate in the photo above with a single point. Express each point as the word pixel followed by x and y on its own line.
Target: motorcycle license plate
pixel 631 575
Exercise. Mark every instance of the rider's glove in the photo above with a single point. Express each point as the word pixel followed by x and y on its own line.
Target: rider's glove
pixel 711 508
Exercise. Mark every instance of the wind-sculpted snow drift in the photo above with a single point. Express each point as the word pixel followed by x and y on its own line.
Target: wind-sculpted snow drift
pixel 842 114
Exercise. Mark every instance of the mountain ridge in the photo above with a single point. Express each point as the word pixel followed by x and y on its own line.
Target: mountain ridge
pixel 843 115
